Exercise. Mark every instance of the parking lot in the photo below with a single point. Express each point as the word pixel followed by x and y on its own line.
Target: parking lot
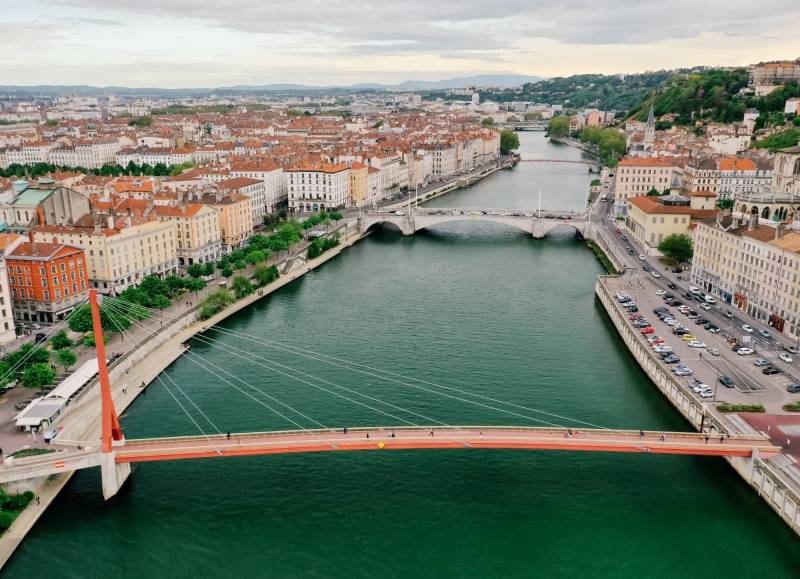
pixel 749 385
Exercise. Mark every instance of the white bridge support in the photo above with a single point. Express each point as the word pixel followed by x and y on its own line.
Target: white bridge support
pixel 535 223
pixel 113 475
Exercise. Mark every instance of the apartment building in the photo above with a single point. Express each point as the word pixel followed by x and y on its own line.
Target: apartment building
pixel 275 182
pixel 251 188
pixel 755 268
pixel 650 219
pixel 638 175
pixel 235 216
pixel 121 254
pixel 198 232
pixel 318 187
pixel 8 242
pixel 47 280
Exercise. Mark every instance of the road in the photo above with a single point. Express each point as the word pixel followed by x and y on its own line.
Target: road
pixel 747 377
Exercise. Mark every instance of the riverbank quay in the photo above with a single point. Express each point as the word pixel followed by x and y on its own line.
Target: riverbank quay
pixel 132 374
pixel 775 479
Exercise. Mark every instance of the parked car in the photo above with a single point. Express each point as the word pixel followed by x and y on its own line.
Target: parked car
pixel 760 362
pixel 706 393
pixel 696 344
pixel 765 334
pixel 647 330
pixel 713 351
pixel 793 388
pixel 744 351
pixel 792 350
pixel 726 381
pixel 642 258
pixel 709 300
pixel 747 328
pixel 672 286
pixel 728 314
pixel 785 357
pixel 40 338
pixel 661 292
pixel 771 370
pixel 701 321
pixel 705 306
pixel 655 274
pixel 683 371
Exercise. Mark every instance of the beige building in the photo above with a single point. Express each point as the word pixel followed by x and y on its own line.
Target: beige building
pixel 235 218
pixel 359 185
pixel 639 175
pixel 121 255
pixel 755 268
pixel 198 231
pixel 651 219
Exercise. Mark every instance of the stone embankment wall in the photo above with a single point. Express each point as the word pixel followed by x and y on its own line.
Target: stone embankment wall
pixel 764 475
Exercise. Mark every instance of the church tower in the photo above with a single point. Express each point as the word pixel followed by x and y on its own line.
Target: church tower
pixel 650 129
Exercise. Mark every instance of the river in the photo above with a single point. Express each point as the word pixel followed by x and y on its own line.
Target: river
pixel 471 306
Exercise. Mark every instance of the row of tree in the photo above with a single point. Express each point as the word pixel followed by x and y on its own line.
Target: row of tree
pixel 18 171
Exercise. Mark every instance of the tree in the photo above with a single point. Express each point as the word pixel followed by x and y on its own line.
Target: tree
pixel 214 303
pixel 175 284
pixel 38 376
pixel 81 319
pixel 558 126
pixel 66 358
pixel 60 341
pixel 194 284
pixel 264 274
pixel 533 116
pixel 196 270
pixel 242 286
pixel 509 140
pixel 160 302
pixel 653 192
pixel 227 271
pixel 677 247
pixel 487 122
pixel 255 256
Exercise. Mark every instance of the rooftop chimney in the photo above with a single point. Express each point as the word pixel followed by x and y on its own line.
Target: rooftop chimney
pixel 753 222
pixel 780 229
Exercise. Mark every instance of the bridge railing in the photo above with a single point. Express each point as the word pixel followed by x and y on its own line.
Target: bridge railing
pixel 498 212
pixel 688 436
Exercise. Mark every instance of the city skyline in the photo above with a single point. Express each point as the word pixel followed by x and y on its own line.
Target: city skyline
pixel 180 44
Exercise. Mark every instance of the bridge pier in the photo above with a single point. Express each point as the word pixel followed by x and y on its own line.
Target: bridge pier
pixel 112 474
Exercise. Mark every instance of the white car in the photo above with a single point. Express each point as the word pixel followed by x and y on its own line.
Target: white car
pixel 705 306
pixel 785 357
pixel 747 328
pixel 710 300
pixel 642 258
pixel 655 274
pixel 744 351
pixel 661 293
pixel 694 290
pixel 699 386
pixel 696 344
pixel 707 393
pixel 662 349
pixel 671 322
pixel 713 351
pixel 683 371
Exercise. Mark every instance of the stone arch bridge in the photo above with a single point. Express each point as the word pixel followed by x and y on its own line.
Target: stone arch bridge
pixel 533 222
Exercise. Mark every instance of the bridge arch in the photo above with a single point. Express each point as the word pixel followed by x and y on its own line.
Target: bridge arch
pixel 427 221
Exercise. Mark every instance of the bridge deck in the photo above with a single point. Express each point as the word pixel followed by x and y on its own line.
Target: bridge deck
pixel 439 438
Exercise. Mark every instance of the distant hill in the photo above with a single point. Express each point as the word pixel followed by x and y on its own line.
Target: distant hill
pixel 713 95
pixel 603 91
pixel 483 80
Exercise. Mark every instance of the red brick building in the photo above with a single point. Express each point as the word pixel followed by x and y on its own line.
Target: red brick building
pixel 47 280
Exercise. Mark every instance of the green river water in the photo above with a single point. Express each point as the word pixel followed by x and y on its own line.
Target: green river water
pixel 472 306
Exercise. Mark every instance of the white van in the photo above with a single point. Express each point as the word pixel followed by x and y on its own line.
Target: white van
pixel 710 300
pixel 694 290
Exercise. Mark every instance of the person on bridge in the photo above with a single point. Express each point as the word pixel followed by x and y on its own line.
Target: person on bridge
pixel 344 430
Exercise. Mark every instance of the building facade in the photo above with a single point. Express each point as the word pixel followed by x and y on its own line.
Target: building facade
pixel 47 280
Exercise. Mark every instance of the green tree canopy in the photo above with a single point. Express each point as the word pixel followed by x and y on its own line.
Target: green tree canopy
pixel 509 140
pixel 677 247
pixel 38 376
pixel 558 126
pixel 66 358
pixel 60 341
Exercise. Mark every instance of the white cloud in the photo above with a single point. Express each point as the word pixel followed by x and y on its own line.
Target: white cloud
pixel 324 41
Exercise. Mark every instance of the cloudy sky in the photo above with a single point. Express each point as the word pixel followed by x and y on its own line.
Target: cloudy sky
pixel 207 43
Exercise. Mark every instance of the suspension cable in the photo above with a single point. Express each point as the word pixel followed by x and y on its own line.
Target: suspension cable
pixel 389 376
